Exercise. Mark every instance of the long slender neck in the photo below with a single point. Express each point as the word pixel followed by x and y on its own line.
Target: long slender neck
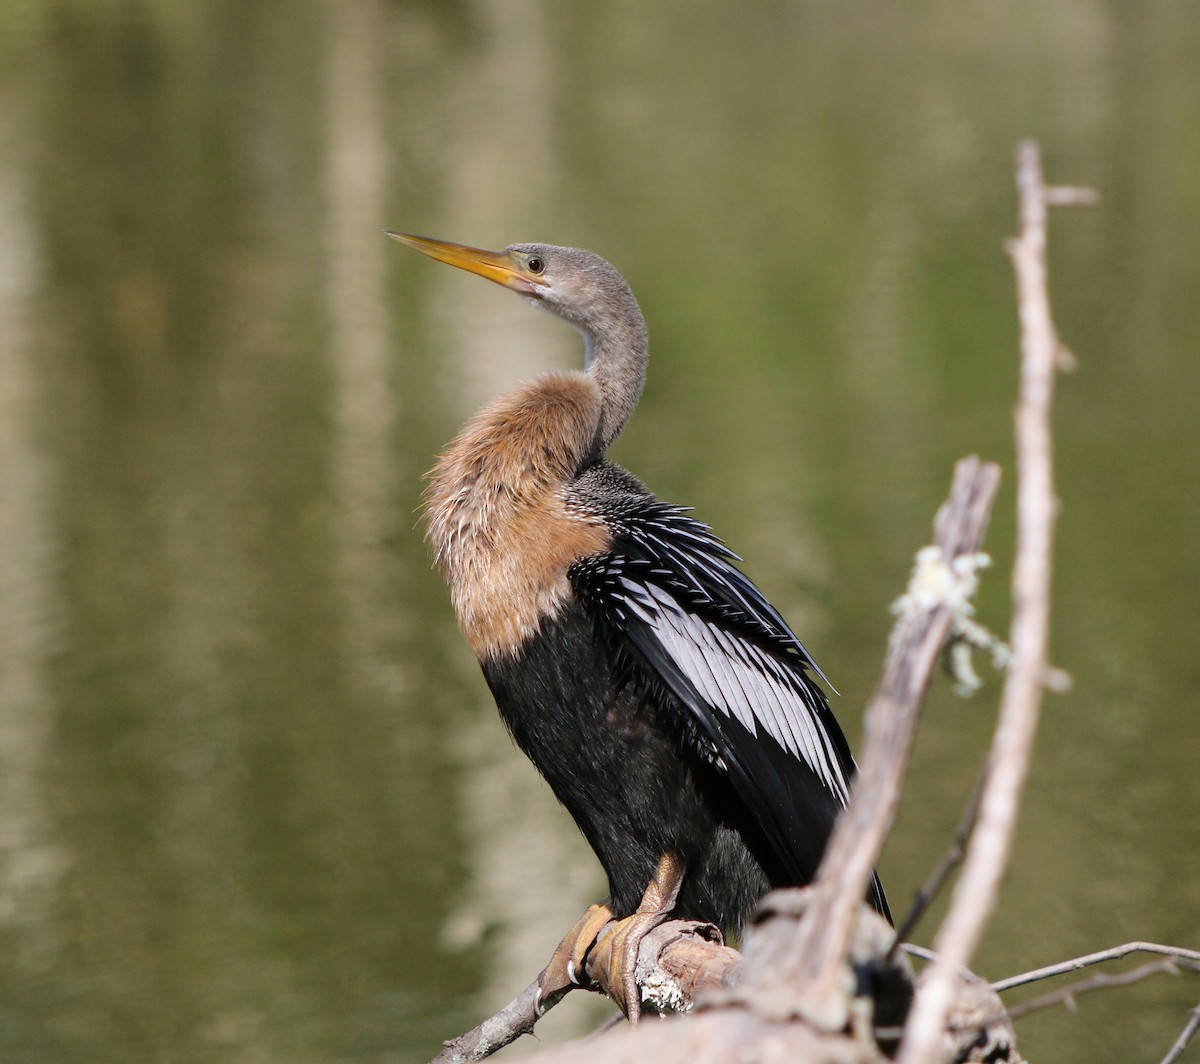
pixel 615 360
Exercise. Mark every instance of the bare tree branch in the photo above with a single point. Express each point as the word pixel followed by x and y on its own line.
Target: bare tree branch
pixel 737 1023
pixel 1086 961
pixel 987 856
pixel 1067 994
pixel 1185 1036
pixel 515 1019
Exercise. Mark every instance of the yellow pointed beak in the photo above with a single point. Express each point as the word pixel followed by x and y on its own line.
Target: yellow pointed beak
pixel 500 266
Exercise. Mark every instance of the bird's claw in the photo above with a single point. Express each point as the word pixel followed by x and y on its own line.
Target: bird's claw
pixel 566 969
pixel 616 954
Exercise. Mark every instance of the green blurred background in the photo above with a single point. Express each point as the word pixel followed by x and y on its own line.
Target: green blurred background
pixel 255 803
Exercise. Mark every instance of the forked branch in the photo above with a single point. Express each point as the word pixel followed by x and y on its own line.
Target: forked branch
pixel 1099 957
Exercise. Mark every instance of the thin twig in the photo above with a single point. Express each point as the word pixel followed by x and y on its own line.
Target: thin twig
pixel 952 858
pixel 1099 957
pixel 1067 994
pixel 1185 1036
pixel 921 952
pixel 987 857
pixel 515 1019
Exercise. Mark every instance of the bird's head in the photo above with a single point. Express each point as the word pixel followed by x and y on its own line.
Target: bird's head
pixel 583 290
pixel 578 286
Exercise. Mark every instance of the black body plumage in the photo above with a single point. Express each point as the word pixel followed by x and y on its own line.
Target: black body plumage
pixel 671 709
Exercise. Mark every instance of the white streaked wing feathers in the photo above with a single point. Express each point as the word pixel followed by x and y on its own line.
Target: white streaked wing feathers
pixel 737 679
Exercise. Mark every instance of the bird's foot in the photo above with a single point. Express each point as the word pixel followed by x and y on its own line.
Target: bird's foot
pixel 566 968
pixel 616 953
pixel 617 956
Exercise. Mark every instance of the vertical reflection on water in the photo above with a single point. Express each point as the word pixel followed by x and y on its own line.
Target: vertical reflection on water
pixel 532 871
pixel 364 400
pixel 31 859
pixel 500 166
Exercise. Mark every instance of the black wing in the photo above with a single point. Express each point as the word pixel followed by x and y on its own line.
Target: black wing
pixel 672 605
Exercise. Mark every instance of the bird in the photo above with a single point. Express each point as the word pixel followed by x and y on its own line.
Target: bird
pixel 665 701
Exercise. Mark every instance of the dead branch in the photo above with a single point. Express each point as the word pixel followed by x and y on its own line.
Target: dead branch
pixel 1075 964
pixel 731 1023
pixel 1008 762
pixel 813 961
pixel 493 1034
pixel 1067 994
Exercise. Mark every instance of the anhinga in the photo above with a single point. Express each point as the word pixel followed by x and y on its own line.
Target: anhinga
pixel 666 702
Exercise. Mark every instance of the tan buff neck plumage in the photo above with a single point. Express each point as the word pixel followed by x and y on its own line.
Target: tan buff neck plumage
pixel 497 510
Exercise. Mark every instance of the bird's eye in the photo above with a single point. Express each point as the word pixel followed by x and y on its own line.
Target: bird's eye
pixel 535 265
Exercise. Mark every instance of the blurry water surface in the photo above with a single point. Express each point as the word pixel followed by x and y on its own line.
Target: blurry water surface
pixel 255 803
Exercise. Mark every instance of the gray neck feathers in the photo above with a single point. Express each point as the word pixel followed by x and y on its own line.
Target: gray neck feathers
pixel 616 355
pixel 588 293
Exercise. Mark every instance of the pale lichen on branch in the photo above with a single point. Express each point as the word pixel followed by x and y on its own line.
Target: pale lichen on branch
pixel 935 583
